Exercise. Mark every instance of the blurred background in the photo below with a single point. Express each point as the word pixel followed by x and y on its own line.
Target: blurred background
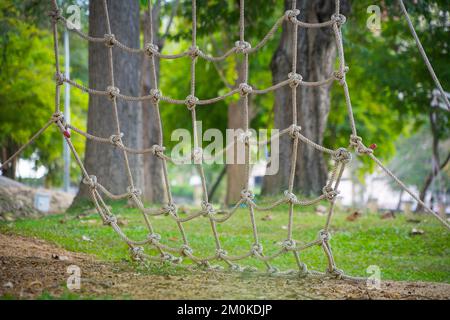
pixel 395 102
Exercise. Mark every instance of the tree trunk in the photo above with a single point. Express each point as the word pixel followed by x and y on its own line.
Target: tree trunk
pixel 436 165
pixel 153 173
pixel 8 150
pixel 103 160
pixel 316 52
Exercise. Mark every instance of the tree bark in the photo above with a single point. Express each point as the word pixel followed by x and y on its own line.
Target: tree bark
pixel 153 172
pixel 8 150
pixel 316 52
pixel 103 160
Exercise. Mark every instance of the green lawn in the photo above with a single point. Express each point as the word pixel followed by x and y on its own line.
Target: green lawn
pixel 356 245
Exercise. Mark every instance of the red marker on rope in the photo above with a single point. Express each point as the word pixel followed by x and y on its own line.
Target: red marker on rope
pixel 66 134
pixel 373 146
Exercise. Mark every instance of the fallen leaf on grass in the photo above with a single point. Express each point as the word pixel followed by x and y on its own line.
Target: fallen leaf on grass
pixel 415 232
pixel 86 238
pixel 267 218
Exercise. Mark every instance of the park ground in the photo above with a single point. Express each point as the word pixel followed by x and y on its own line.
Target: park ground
pixel 35 254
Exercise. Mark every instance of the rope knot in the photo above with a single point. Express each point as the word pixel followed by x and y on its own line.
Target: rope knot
pixel 154 238
pixel 116 139
pixel 294 131
pixel 290 197
pixel 197 155
pixel 186 250
pixel 110 220
pixel 242 46
pixel 356 142
pixel 133 192
pixel 155 95
pixel 109 39
pixel 272 270
pixel 339 75
pixel 342 155
pixel 257 249
pixel 55 14
pixel 221 253
pixel 136 252
pixel 191 101
pixel 294 79
pixel 288 244
pixel 244 137
pixel 112 92
pixel 245 89
pixel 208 208
pixel 194 52
pixel 59 78
pixel 324 236
pixel 58 116
pixel 170 258
pixel 291 15
pixel 91 181
pixel 151 49
pixel 329 193
pixel 237 268
pixel 158 150
pixel 336 273
pixel 247 195
pixel 171 209
pixel 339 19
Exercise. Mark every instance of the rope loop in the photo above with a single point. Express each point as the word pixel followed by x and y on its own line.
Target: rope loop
pixel 342 155
pixel 288 244
pixel 291 15
pixel 339 19
pixel 112 92
pixel 59 78
pixel 356 142
pixel 245 89
pixel 109 220
pixel 221 253
pixel 110 40
pixel 208 209
pixel 247 195
pixel 294 131
pixel 191 101
pixel 91 181
pixel 133 192
pixel 290 197
pixel 155 95
pixel 294 79
pixel 304 269
pixel 324 235
pixel 116 139
pixel 158 151
pixel 257 249
pixel 330 193
pixel 154 238
pixel 242 46
pixel 186 250
pixel 151 49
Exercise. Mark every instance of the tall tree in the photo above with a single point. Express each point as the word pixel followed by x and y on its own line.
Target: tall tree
pixel 316 55
pixel 103 160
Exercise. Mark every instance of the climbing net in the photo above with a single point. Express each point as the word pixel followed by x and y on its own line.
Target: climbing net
pixel 340 157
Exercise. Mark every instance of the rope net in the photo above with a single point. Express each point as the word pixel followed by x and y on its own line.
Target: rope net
pixel 340 157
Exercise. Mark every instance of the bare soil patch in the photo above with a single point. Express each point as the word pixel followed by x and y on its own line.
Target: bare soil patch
pixel 29 267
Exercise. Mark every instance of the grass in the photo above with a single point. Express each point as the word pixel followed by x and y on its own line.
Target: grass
pixel 356 245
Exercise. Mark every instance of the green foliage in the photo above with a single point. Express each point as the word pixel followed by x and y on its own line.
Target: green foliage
pixel 27 87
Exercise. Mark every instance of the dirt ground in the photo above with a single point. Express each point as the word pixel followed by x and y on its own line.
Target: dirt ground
pixel 29 267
